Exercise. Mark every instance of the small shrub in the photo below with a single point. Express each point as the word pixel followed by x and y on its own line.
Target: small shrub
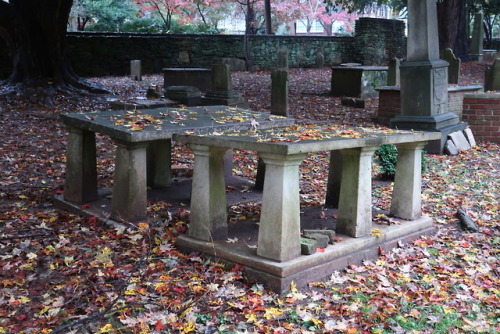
pixel 388 157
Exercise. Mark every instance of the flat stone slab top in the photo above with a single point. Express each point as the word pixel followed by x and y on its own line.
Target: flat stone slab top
pixel 138 103
pixel 298 139
pixel 161 123
pixel 143 149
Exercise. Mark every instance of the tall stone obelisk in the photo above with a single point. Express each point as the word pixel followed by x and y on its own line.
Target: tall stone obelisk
pixel 424 78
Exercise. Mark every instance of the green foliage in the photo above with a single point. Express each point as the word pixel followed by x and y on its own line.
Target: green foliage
pixel 178 28
pixel 146 25
pixel 388 156
pixel 106 15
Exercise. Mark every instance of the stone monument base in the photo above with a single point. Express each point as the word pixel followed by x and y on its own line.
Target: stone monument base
pixel 443 123
pixel 305 268
pixel 231 99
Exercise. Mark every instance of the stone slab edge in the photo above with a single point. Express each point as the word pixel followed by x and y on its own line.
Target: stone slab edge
pixel 482 96
pixel 248 257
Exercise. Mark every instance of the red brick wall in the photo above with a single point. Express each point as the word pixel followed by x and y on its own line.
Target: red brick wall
pixel 482 112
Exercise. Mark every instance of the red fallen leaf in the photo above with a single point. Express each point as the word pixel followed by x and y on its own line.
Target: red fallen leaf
pixel 85 206
pixel 159 326
pixel 237 268
pixel 92 220
pixel 21 317
pixel 464 244
pixel 320 250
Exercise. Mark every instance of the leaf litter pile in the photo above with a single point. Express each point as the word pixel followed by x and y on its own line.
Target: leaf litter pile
pixel 61 273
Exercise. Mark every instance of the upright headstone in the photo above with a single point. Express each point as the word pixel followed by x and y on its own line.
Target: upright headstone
pixel 492 76
pixel 279 92
pixel 476 45
pixel 319 60
pixel 424 78
pixel 393 76
pixel 135 70
pixel 222 92
pixel 283 59
pixel 453 67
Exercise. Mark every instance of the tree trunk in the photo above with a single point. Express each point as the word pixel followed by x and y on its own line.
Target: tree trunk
pixel 35 32
pixel 452 27
pixel 269 26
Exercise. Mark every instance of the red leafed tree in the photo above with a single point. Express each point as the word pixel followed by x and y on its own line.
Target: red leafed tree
pixel 34 32
pixel 317 10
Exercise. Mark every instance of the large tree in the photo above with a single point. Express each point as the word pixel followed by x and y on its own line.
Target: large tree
pixel 34 32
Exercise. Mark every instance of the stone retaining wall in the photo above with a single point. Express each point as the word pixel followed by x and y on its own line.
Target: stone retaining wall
pixel 97 54
pixel 482 112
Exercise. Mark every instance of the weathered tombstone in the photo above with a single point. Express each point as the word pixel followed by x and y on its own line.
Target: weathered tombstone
pixel 393 72
pixel 222 92
pixel 470 137
pixel 135 70
pixel 424 79
pixel 460 141
pixel 319 60
pixel 283 59
pixel 279 93
pixel 492 76
pixel 187 95
pixel 453 67
pixel 450 148
pixel 476 46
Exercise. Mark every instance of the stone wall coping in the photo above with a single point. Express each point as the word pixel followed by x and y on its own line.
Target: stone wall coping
pixel 361 68
pixel 451 89
pixel 482 95
pixel 188 69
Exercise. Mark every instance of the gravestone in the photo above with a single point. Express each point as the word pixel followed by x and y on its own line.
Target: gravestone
pixel 460 141
pixel 424 79
pixel 282 59
pixel 476 45
pixel 187 95
pixel 393 72
pixel 135 70
pixel 450 148
pixel 279 92
pixel 470 137
pixel 319 60
pixel 453 66
pixel 222 92
pixel 492 76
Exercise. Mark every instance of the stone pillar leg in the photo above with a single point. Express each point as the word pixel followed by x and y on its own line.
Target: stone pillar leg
pixel 81 167
pixel 208 194
pixel 279 230
pixel 129 201
pixel 334 180
pixel 159 163
pixel 406 195
pixel 261 172
pixel 354 216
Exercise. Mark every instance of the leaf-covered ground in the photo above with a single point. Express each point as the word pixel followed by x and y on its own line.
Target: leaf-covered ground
pixel 60 273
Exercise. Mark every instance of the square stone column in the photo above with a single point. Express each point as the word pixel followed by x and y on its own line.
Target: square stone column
pixel 279 230
pixel 354 216
pixel 129 201
pixel 334 180
pixel 159 163
pixel 406 195
pixel 208 194
pixel 80 185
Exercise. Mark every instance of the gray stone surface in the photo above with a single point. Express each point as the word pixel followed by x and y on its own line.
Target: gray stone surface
pixel 222 92
pixel 424 77
pixel 476 44
pixel 329 233
pixel 187 95
pixel 279 93
pixel 322 240
pixel 393 74
pixel 453 67
pixel 357 81
pixel 460 141
pixel 282 62
pixel 198 77
pixel 450 148
pixel 135 70
pixel 470 137
pixel 308 246
pixel 134 104
pixel 319 60
pixel 492 76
